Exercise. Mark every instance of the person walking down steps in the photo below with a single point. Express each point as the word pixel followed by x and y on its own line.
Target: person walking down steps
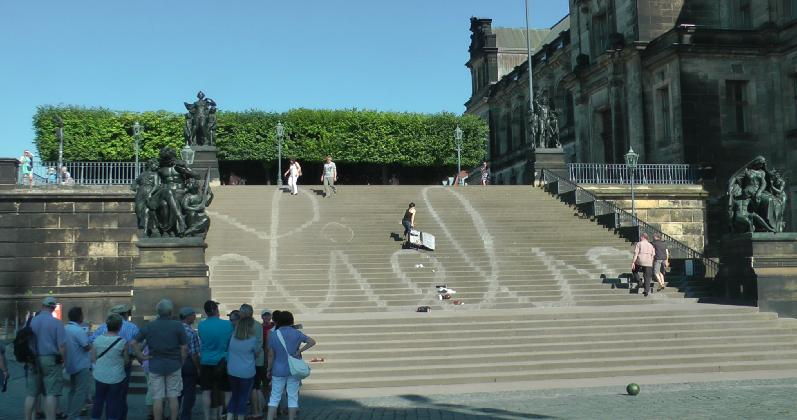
pixel 329 177
pixel 293 173
pixel 408 221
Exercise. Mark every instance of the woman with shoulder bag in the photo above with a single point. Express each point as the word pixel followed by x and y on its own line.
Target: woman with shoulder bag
pixel 283 344
pixel 110 358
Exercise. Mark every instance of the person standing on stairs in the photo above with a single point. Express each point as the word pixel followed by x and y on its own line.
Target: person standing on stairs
pixel 660 260
pixel 643 257
pixel 408 221
pixel 329 176
pixel 293 173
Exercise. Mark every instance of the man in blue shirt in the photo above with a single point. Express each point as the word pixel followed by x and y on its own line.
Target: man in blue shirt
pixel 214 338
pixel 78 364
pixel 129 331
pixel 50 348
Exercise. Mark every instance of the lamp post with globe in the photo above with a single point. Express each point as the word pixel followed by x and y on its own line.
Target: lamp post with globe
pixel 280 133
pixel 631 160
pixel 458 137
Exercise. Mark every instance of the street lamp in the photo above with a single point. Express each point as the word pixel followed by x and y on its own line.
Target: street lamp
pixel 280 133
pixel 59 133
pixel 187 154
pixel 631 160
pixel 137 139
pixel 458 136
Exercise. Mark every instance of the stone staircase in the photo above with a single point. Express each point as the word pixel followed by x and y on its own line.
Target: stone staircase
pixel 528 271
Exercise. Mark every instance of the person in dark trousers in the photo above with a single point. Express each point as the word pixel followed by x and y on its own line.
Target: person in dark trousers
pixel 190 371
pixel 408 221
pixel 128 332
pixel 214 338
pixel 110 357
pixel 660 260
pixel 643 257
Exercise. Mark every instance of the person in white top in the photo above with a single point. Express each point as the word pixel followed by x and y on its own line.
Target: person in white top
pixel 110 357
pixel 293 173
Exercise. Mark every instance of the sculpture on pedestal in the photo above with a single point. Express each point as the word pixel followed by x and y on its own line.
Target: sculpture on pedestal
pixel 200 121
pixel 756 199
pixel 143 186
pixel 544 124
pixel 169 202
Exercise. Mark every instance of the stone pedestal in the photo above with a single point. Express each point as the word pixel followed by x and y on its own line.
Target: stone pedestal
pixel 206 159
pixel 761 269
pixel 550 159
pixel 9 171
pixel 172 268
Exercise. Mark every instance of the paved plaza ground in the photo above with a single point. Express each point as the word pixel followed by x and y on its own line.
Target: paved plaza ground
pixel 725 396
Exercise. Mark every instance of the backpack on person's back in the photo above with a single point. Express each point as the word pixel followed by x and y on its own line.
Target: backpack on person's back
pixel 23 345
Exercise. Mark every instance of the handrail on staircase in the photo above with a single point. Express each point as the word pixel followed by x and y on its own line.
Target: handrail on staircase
pixel 623 220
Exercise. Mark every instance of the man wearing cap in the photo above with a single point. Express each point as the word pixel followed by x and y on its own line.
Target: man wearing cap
pixel 190 370
pixel 50 348
pixel 214 338
pixel 129 331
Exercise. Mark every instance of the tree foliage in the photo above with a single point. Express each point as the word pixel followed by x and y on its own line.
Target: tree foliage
pixel 355 136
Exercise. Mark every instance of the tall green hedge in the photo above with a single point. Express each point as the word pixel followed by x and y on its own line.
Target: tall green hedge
pixel 355 136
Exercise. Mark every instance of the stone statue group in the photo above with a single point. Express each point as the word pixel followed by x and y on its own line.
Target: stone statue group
pixel 169 199
pixel 200 121
pixel 544 124
pixel 756 199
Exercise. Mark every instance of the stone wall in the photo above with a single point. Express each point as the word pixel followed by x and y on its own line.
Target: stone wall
pixel 77 244
pixel 677 210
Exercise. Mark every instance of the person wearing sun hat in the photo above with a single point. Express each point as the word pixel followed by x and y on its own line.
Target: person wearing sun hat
pixel 46 378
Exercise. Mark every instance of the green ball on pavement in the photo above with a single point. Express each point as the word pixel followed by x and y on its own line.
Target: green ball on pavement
pixel 632 389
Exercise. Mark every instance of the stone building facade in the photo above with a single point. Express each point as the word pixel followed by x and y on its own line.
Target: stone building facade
pixel 706 82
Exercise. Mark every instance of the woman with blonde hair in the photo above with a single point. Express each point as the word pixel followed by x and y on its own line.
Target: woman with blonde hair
pixel 241 356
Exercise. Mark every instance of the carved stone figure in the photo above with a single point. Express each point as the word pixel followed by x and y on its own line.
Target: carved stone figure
pixel 544 124
pixel 143 186
pixel 200 121
pixel 172 208
pixel 194 204
pixel 756 199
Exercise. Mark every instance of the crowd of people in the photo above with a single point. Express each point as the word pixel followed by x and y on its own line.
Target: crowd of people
pixel 239 364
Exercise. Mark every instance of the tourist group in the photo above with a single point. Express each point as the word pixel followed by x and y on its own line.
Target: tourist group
pixel 240 364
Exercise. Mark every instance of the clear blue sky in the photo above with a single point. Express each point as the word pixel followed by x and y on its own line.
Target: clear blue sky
pixel 405 55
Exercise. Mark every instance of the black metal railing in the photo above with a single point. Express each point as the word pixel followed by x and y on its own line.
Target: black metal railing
pixel 82 173
pixel 602 173
pixel 622 221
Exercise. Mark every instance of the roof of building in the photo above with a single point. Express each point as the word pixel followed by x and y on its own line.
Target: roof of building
pixel 515 38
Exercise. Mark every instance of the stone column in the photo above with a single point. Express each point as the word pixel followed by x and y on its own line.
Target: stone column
pixel 205 160
pixel 9 171
pixel 760 269
pixel 172 268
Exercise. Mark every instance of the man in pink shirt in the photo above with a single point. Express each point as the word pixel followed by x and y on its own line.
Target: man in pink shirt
pixel 643 257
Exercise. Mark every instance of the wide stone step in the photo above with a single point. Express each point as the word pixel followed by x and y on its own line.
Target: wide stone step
pixel 640 370
pixel 617 346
